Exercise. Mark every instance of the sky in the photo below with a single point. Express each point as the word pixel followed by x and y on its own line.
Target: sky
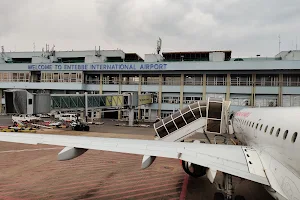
pixel 247 27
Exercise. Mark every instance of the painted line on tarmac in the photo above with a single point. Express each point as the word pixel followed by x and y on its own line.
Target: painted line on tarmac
pixel 24 150
pixel 184 187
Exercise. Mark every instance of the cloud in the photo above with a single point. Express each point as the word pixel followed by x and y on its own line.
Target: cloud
pixel 247 27
pixel 9 11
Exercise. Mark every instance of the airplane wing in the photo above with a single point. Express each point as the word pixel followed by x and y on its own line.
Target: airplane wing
pixel 236 160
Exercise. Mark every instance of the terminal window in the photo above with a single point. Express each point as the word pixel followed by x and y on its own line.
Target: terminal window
pixel 241 80
pixel 216 79
pixel 265 80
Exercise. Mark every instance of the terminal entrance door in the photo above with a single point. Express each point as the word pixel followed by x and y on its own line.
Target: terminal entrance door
pixel 110 114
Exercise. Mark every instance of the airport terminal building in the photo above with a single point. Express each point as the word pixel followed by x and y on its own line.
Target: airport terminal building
pixel 175 78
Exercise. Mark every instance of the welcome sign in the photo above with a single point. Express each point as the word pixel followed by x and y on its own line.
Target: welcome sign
pixel 99 67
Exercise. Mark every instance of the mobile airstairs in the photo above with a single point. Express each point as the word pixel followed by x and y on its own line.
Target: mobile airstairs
pixel 203 117
pixel 200 117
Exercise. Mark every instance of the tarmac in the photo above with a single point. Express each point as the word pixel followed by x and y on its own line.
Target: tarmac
pixel 32 172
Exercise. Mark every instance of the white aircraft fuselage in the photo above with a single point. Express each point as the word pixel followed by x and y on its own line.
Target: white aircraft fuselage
pixel 275 134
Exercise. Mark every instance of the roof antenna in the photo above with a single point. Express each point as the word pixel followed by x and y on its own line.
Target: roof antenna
pixel 158 47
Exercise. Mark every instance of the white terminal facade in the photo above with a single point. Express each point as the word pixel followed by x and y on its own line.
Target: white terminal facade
pixel 177 78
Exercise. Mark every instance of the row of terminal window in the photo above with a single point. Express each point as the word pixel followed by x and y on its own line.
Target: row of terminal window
pixel 260 126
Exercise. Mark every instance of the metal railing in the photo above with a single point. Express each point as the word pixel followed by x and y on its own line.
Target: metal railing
pixel 110 82
pixel 193 82
pixel 216 83
pixel 267 83
pixel 129 82
pixel 291 83
pixel 240 83
pixel 150 82
pixel 254 59
pixel 171 82
pixel 187 60
pixel 92 82
pixel 14 80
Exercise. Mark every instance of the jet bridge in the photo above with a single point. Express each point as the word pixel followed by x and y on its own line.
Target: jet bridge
pixel 202 116
pixel 98 101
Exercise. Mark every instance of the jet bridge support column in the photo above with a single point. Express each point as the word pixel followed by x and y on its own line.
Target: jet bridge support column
pixel 92 115
pixel 130 116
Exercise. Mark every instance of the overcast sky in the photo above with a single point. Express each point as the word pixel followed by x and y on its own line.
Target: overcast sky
pixel 247 27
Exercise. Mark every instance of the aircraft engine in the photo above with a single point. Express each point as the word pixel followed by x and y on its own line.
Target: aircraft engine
pixel 193 170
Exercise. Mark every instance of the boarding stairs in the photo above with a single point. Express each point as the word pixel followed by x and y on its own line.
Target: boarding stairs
pixel 209 116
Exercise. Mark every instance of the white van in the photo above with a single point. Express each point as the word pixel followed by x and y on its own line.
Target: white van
pixel 68 117
pixel 23 118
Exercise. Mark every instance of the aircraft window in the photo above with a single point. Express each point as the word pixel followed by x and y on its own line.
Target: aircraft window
pixel 256 125
pixel 271 131
pixel 266 128
pixel 285 134
pixel 249 123
pixel 261 127
pixel 277 133
pixel 294 137
pixel 252 124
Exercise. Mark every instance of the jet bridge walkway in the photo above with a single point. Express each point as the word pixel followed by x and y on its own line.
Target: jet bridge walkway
pixel 98 101
pixel 202 116
pixel 80 101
